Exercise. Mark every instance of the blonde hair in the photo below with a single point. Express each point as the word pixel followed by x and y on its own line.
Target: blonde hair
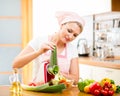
pixel 80 26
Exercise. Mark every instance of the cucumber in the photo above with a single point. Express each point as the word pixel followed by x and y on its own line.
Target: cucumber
pixel 45 88
pixel 53 57
pixel 53 66
pixel 54 88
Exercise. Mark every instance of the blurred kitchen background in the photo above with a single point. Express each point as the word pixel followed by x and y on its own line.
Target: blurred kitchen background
pixel 22 20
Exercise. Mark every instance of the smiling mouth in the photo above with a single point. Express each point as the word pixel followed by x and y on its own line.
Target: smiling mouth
pixel 68 40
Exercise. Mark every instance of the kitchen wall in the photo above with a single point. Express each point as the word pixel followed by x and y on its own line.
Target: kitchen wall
pixel 88 30
pixel 44 21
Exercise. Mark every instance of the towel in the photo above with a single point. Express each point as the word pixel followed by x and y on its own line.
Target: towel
pixel 66 16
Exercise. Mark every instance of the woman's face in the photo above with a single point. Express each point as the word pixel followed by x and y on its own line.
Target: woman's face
pixel 69 32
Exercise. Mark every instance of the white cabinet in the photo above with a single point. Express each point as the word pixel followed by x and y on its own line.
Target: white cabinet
pixel 97 73
pixel 85 71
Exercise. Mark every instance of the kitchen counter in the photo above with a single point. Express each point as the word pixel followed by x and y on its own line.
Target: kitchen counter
pixel 108 63
pixel 4 91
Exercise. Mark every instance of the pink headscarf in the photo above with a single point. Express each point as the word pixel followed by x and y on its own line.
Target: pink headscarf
pixel 65 16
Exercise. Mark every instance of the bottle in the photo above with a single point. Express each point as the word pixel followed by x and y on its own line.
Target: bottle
pixel 99 52
pixel 111 53
pixel 15 83
pixel 15 94
pixel 94 52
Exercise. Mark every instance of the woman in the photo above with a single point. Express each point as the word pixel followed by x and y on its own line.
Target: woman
pixel 38 50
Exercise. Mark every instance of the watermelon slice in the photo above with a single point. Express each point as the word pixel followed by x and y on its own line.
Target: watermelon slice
pixel 46 88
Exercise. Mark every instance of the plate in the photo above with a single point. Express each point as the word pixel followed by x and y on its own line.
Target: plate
pixel 46 88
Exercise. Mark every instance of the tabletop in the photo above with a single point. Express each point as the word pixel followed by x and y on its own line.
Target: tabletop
pixel 4 91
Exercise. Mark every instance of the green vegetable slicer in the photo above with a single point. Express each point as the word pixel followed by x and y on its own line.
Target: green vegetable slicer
pixel 51 68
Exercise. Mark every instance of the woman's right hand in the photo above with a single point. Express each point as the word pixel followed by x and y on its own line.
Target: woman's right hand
pixel 50 45
pixel 46 46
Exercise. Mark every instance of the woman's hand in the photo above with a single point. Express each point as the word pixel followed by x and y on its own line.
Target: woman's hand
pixel 70 77
pixel 50 45
pixel 46 46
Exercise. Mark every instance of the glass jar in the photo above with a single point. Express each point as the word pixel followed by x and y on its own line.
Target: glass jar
pixel 15 83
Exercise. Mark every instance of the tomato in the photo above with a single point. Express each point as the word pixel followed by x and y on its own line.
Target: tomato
pixel 110 92
pixel 62 81
pixel 32 84
pixel 106 88
pixel 106 83
pixel 95 86
pixel 92 88
pixel 109 85
pixel 104 92
pixel 98 86
pixel 96 92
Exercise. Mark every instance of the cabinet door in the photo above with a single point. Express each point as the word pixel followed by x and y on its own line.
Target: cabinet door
pixel 85 71
pixel 98 73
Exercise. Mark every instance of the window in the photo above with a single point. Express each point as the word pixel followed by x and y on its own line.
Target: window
pixel 14 34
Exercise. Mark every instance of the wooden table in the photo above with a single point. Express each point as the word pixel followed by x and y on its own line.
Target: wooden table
pixel 4 91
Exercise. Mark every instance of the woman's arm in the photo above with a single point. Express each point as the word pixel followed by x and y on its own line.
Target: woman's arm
pixel 25 56
pixel 28 54
pixel 74 71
